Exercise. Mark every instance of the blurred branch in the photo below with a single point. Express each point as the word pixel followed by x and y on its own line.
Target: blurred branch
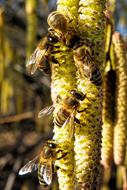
pixel 31 7
pixel 16 118
pixel 12 176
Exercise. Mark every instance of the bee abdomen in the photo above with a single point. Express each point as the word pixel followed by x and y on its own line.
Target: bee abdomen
pixel 96 77
pixel 42 182
pixel 45 66
pixel 62 115
pixel 40 177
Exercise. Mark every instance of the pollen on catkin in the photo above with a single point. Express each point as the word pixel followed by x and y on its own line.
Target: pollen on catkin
pixel 91 23
pixel 64 80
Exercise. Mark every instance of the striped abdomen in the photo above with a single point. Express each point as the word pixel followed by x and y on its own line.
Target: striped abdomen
pixel 41 171
pixel 61 117
pixel 44 65
pixel 95 75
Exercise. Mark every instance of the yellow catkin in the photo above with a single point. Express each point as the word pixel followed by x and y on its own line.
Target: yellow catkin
pixel 108 117
pixel 2 46
pixel 5 59
pixel 6 94
pixel 120 131
pixel 91 23
pixel 64 79
pixel 31 6
pixel 108 110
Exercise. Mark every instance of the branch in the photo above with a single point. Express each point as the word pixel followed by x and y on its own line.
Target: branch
pixel 16 118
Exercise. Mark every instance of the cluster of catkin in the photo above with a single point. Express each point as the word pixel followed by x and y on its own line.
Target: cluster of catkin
pixel 115 104
pixel 81 168
pixel 80 69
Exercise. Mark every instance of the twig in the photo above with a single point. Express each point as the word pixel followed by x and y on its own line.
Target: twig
pixel 12 176
pixel 15 118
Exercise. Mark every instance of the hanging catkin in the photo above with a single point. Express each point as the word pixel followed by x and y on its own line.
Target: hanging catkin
pixel 91 23
pixel 120 131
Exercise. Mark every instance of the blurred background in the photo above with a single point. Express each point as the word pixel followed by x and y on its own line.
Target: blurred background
pixel 22 24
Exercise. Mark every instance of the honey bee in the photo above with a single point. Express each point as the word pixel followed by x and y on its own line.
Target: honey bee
pixel 44 163
pixel 81 53
pixel 60 25
pixel 86 65
pixel 67 110
pixel 42 57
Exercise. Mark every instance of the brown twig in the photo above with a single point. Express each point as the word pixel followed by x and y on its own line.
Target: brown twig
pixel 12 176
pixel 15 118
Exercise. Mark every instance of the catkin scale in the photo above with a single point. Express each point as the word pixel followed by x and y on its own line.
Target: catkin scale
pixel 120 130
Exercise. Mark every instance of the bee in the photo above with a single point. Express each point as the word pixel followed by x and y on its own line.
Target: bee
pixel 42 57
pixel 81 53
pixel 67 110
pixel 60 25
pixel 86 65
pixel 44 163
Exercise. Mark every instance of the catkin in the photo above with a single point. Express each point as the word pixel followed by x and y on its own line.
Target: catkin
pixel 108 117
pixel 63 80
pixel 31 6
pixel 91 23
pixel 120 131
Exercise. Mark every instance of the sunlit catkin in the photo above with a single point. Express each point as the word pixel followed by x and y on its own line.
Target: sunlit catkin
pixel 120 131
pixel 31 6
pixel 88 135
pixel 108 110
pixel 108 117
pixel 63 80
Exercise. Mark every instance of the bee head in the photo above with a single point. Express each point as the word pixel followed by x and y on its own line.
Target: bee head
pixel 57 21
pixel 72 39
pixel 48 149
pixel 81 52
pixel 52 38
pixel 52 144
pixel 77 95
pixel 71 101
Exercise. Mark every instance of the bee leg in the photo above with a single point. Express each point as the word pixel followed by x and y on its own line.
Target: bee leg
pixel 58 98
pixel 56 168
pixel 62 154
pixel 57 51
pixel 54 60
pixel 84 97
pixel 76 120
pixel 78 44
pixel 80 111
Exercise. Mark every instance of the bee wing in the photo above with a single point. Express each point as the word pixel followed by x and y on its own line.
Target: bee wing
pixel 35 60
pixel 30 166
pixel 32 62
pixel 66 122
pixel 69 119
pixel 46 111
pixel 47 172
pixel 34 68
